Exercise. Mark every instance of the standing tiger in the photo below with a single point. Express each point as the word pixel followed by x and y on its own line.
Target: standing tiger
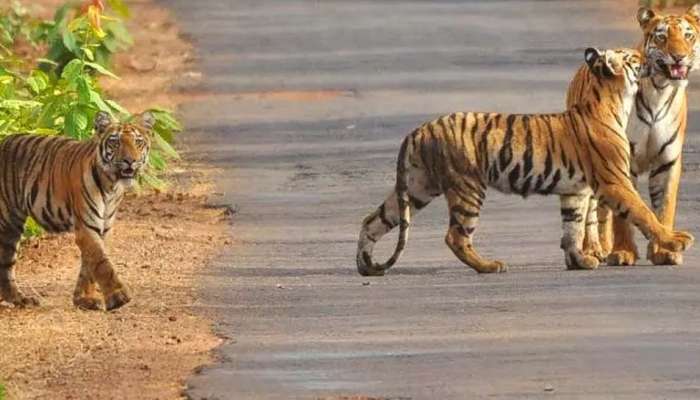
pixel 574 154
pixel 656 131
pixel 64 185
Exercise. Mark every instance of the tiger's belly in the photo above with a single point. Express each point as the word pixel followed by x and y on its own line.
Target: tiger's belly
pixel 557 181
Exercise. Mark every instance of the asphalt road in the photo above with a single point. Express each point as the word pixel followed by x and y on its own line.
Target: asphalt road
pixel 303 107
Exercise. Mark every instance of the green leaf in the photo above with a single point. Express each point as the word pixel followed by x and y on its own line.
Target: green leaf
pixel 152 181
pixel 17 104
pixel 83 89
pixel 117 107
pixel 96 99
pixel 88 53
pixel 72 70
pixel 46 61
pixel 70 42
pixel 76 123
pixel 99 68
pixel 165 147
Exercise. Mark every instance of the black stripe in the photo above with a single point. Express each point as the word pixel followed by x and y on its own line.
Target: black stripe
pixel 663 168
pixel 513 177
pixel 505 155
pixel 670 140
pixel 463 211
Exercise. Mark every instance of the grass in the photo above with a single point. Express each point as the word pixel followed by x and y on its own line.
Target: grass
pixel 2 392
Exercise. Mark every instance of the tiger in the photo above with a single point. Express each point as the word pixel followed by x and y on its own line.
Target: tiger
pixel 656 132
pixel 70 185
pixel 574 154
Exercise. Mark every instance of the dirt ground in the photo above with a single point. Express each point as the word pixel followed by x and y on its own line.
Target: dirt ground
pixel 159 245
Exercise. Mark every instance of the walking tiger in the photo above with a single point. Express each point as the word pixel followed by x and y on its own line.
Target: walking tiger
pixel 574 154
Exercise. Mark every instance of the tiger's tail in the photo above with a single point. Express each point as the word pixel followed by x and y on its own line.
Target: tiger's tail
pixel 382 221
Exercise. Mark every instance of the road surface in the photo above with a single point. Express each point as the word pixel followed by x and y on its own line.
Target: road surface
pixel 303 107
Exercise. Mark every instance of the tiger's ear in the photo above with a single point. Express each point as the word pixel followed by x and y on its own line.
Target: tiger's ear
pixel 644 16
pixel 694 13
pixel 592 55
pixel 147 120
pixel 102 121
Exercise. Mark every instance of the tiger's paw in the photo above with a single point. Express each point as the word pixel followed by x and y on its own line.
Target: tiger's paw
pixel 660 256
pixel 595 250
pixel 622 257
pixel 22 301
pixel 492 267
pixel 677 241
pixel 88 303
pixel 577 261
pixel 117 299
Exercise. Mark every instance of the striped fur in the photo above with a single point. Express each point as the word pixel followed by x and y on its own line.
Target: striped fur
pixel 65 185
pixel 656 132
pixel 572 154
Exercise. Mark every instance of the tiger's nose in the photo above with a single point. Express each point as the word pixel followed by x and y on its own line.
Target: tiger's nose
pixel 677 57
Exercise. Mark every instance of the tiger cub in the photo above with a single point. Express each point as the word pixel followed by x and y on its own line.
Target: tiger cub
pixel 64 185
pixel 574 154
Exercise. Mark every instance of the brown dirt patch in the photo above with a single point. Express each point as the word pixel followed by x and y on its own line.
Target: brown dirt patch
pixel 159 245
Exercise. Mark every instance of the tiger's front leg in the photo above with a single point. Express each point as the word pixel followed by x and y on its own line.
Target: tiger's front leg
pixel 86 295
pixel 591 241
pixel 664 180
pixel 99 268
pixel 624 250
pixel 574 209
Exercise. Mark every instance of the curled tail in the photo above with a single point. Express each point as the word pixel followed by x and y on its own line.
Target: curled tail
pixel 381 221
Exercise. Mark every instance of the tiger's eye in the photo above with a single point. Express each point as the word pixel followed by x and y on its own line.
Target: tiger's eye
pixel 689 36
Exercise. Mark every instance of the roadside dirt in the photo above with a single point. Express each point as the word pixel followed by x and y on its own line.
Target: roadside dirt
pixel 160 243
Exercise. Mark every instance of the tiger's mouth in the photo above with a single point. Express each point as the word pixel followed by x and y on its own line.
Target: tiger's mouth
pixel 675 71
pixel 127 173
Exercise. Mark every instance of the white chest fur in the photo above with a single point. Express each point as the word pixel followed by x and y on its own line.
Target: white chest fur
pixel 654 126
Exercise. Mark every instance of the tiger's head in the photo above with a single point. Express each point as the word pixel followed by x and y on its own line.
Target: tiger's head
pixel 123 147
pixel 617 69
pixel 671 43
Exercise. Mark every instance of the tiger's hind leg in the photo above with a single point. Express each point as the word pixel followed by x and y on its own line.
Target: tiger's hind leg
pixel 464 203
pixel 624 250
pixel 663 190
pixel 573 209
pixel 9 291
pixel 605 232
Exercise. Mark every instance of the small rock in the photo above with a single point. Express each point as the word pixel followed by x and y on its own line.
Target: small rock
pixel 172 318
pixel 548 388
pixel 279 286
pixel 365 283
